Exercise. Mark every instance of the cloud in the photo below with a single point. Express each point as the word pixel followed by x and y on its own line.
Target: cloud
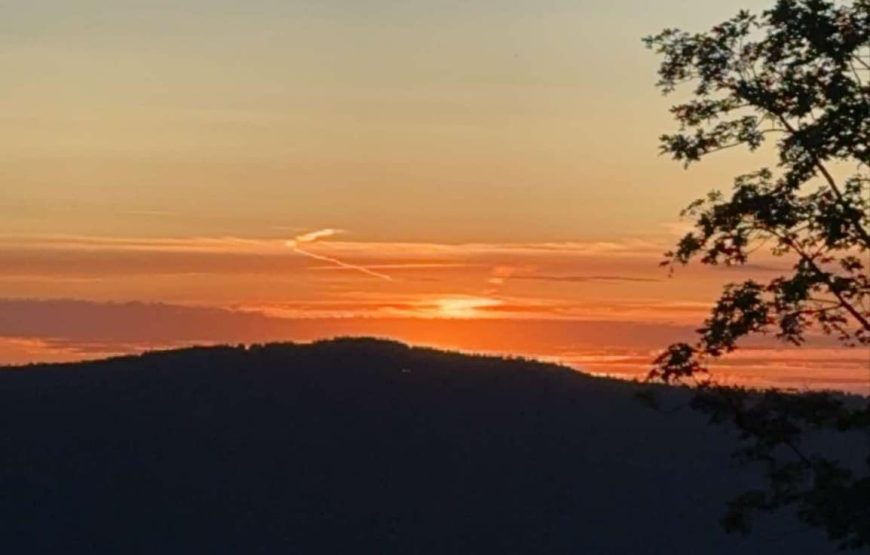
pixel 500 275
pixel 406 266
pixel 581 279
pixel 313 237
pixel 611 280
pixel 396 251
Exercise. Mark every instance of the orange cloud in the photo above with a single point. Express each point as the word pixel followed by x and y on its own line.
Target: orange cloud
pixel 596 280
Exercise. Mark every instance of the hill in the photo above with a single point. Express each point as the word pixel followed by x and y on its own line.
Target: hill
pixel 359 446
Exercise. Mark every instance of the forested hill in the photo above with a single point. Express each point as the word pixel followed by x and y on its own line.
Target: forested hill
pixel 359 446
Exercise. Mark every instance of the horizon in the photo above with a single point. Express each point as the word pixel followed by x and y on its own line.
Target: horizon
pixel 478 176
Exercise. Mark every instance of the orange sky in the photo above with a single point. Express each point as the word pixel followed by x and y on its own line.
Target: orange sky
pixel 472 174
pixel 604 307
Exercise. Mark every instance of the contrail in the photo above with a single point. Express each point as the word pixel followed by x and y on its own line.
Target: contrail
pixel 314 236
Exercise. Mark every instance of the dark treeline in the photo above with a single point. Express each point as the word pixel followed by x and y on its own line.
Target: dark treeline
pixel 359 446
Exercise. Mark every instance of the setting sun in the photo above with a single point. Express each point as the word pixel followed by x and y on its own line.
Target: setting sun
pixel 463 307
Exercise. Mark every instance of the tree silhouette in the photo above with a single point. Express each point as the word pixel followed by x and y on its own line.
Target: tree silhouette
pixel 355 445
pixel 796 76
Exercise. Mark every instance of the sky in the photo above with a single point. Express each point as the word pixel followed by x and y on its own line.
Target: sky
pixel 481 175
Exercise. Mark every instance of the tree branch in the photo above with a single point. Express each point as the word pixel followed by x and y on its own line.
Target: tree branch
pixel 865 323
pixel 865 236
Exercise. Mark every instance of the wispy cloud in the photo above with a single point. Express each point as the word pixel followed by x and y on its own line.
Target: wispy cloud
pixel 313 236
pixel 500 275
pixel 608 280
pixel 296 243
pixel 396 250
pixel 406 266
pixel 581 279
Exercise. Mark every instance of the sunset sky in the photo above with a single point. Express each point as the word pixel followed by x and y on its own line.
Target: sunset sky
pixel 476 174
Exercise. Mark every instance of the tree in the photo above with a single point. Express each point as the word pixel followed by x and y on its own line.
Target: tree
pixel 795 77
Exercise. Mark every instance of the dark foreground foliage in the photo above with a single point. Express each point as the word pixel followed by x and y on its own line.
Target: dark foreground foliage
pixel 794 78
pixel 360 446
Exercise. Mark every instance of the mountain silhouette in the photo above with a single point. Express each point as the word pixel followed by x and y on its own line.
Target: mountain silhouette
pixel 360 446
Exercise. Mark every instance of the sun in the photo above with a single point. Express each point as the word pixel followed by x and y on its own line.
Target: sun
pixel 463 307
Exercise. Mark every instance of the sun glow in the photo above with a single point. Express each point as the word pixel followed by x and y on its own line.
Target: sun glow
pixel 463 307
